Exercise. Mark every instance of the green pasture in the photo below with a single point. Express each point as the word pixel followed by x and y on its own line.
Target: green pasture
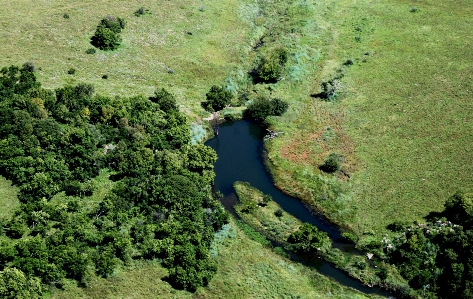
pixel 183 46
pixel 402 121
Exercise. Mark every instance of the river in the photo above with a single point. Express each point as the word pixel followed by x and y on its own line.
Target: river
pixel 239 147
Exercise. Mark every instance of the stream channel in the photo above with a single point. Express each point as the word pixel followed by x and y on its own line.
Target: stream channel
pixel 239 147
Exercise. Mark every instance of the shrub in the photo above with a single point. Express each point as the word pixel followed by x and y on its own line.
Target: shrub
pixel 267 199
pixel 65 16
pixel 71 71
pixel 331 163
pixel 105 76
pixel 105 39
pixel 279 107
pixel 29 67
pixel 279 212
pixel 90 51
pixel 141 11
pixel 270 68
pixel 261 108
pixel 107 34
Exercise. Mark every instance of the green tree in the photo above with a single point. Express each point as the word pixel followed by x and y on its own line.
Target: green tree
pixel 308 238
pixel 216 99
pixel 105 39
pixel 14 284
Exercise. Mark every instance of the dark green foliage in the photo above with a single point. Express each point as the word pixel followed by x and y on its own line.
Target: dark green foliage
pixel 90 51
pixel 65 16
pixel 107 34
pixel 165 100
pixel 436 257
pixel 331 163
pixel 216 99
pixel 266 199
pixel 161 205
pixel 308 238
pixel 279 212
pixel 141 11
pixel 261 108
pixel 71 71
pixel 28 67
pixel 105 39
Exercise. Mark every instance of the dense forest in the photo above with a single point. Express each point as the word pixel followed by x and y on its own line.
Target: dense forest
pixel 53 143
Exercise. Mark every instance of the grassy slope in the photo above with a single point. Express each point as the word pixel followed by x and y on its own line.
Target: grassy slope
pixel 404 124
pixel 152 44
pixel 246 269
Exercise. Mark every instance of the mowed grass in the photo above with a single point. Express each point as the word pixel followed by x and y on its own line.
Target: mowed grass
pixel 184 46
pixel 403 122
pixel 246 269
pixel 8 198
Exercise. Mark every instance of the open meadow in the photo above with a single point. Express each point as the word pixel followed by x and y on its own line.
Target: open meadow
pixel 401 121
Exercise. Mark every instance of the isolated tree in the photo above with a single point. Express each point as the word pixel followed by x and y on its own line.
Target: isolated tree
pixel 107 34
pixel 216 99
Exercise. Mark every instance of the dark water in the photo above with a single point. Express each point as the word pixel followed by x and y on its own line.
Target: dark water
pixel 239 148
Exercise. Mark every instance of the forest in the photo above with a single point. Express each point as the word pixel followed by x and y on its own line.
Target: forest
pixel 161 207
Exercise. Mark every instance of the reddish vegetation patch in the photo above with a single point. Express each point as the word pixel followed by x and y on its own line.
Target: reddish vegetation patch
pixel 300 149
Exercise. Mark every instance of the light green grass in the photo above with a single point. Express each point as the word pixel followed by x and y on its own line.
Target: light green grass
pixel 403 123
pixel 152 44
pixel 246 269
pixel 8 198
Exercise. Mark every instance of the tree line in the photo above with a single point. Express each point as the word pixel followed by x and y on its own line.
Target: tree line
pixel 54 143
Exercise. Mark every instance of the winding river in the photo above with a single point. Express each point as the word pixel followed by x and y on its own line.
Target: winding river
pixel 239 148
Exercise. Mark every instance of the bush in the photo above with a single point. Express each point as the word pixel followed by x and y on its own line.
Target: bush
pixel 65 16
pixel 331 164
pixel 270 68
pixel 90 51
pixel 279 212
pixel 71 71
pixel 141 11
pixel 105 39
pixel 29 67
pixel 107 34
pixel 261 108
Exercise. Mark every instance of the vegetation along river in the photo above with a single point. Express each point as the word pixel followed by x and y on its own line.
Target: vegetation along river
pixel 239 147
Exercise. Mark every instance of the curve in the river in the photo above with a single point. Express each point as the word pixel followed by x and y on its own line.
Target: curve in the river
pixel 239 148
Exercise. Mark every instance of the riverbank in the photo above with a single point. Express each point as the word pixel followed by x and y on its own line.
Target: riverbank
pixel 266 217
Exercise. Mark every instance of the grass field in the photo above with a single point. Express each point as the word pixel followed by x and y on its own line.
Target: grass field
pixel 403 122
pixel 246 269
pixel 200 41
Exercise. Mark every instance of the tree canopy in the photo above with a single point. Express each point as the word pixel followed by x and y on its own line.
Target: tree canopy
pixel 52 146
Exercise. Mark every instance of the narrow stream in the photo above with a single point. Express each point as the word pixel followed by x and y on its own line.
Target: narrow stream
pixel 239 148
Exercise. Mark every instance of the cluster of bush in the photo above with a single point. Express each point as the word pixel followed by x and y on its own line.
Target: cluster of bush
pixel 435 257
pixel 58 141
pixel 107 34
